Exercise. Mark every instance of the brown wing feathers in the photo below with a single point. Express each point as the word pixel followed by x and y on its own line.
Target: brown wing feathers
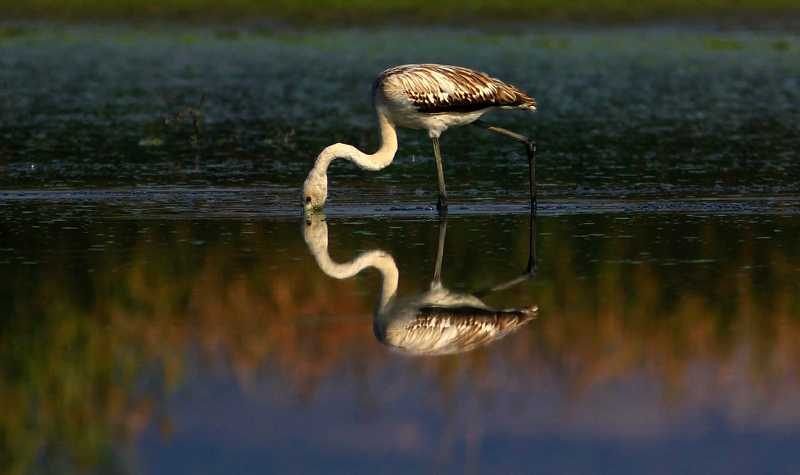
pixel 435 88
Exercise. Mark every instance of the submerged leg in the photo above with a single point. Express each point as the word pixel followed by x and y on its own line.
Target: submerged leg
pixel 530 149
pixel 441 205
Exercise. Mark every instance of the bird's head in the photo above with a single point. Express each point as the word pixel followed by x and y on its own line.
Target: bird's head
pixel 315 191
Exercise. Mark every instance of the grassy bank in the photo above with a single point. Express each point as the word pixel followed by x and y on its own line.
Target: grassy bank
pixel 364 11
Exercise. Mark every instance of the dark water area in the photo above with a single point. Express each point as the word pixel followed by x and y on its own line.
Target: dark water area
pixel 166 308
pixel 651 112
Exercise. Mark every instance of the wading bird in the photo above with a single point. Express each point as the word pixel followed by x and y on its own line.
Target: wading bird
pixel 430 97
pixel 435 322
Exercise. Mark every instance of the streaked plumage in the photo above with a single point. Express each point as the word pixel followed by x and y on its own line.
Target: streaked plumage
pixel 436 88
pixel 438 330
pixel 435 97
pixel 432 97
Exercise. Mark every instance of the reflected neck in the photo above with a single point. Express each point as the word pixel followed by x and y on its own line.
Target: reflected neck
pixel 315 233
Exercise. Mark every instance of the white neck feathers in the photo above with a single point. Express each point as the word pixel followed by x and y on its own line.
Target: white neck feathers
pixel 315 188
pixel 373 162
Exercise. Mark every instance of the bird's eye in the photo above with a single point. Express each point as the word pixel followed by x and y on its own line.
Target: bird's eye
pixel 308 199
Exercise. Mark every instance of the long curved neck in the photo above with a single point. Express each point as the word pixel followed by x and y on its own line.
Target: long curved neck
pixel 376 161
pixel 315 233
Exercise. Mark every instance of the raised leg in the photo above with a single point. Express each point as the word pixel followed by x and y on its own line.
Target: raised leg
pixel 530 149
pixel 441 205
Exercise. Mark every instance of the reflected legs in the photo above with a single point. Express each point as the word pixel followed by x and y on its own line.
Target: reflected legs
pixel 437 271
pixel 530 268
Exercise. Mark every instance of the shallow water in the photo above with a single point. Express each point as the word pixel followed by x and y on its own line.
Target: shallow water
pixel 166 308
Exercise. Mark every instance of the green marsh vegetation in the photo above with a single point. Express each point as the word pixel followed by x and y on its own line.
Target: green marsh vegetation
pixel 419 11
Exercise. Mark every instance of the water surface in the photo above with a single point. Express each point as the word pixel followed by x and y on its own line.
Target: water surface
pixel 167 309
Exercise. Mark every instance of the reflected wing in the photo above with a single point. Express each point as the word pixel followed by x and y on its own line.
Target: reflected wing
pixel 444 330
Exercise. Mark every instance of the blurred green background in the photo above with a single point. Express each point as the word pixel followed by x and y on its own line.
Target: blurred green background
pixel 388 11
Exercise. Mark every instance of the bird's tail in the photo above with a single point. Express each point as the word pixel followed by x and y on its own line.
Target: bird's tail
pixel 512 97
pixel 526 102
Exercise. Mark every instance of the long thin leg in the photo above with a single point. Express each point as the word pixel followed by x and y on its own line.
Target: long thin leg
pixel 437 270
pixel 530 149
pixel 441 205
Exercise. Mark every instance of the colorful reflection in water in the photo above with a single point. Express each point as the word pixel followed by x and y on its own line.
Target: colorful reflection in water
pixel 217 346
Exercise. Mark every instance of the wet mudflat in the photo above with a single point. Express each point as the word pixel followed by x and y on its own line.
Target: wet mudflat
pixel 166 309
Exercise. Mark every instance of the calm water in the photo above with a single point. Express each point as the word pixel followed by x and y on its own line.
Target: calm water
pixel 166 308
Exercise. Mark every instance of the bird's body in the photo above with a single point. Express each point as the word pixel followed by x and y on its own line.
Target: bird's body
pixel 435 97
pixel 430 97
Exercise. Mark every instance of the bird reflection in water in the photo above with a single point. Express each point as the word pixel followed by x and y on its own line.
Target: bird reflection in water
pixel 437 321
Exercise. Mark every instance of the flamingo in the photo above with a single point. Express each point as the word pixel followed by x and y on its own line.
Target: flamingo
pixel 430 97
pixel 438 321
